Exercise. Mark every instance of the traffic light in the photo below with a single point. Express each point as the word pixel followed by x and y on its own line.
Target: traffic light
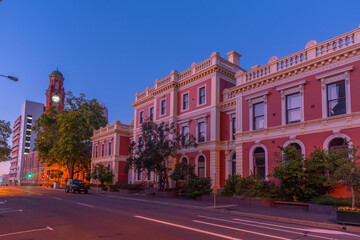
pixel 29 175
pixel 43 176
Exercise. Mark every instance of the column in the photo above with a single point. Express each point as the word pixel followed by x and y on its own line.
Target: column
pixel 215 167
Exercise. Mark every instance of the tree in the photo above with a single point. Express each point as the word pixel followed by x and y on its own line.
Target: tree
pixel 157 144
pixel 103 174
pixel 290 171
pixel 64 137
pixel 5 132
pixel 347 171
pixel 183 171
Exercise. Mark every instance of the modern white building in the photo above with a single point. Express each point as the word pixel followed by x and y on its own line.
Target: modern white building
pixel 23 138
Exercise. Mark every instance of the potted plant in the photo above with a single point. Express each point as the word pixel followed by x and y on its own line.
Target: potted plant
pixel 348 215
pixel 182 172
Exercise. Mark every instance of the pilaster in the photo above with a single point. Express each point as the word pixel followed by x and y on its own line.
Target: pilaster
pixel 215 167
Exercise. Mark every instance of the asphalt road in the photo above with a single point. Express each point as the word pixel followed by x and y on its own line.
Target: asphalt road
pixel 35 213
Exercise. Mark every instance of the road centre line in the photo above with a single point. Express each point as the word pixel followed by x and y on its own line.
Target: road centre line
pixel 56 198
pixel 271 228
pixel 189 228
pixel 222 206
pixel 86 205
pixel 27 231
pixel 316 230
pixel 241 230
pixel 27 191
pixel 20 210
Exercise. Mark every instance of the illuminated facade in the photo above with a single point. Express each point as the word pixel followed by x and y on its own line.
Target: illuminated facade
pixel 240 117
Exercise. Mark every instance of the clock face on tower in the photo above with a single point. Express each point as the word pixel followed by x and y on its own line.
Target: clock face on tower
pixel 55 98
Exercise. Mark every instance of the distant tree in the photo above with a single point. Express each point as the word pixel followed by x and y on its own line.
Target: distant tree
pixel 64 137
pixel 347 171
pixel 157 145
pixel 5 132
pixel 290 171
pixel 103 174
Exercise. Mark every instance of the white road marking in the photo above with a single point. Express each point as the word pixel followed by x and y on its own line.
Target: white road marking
pixel 222 206
pixel 27 191
pixel 241 230
pixel 86 205
pixel 3 202
pixel 57 198
pixel 188 228
pixel 27 231
pixel 316 230
pixel 271 228
pixel 11 211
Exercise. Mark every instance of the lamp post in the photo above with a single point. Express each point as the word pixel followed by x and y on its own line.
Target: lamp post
pixel 15 79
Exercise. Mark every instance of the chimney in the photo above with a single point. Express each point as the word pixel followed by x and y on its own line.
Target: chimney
pixel 234 58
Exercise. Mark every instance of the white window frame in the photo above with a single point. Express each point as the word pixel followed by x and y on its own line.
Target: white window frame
pixel 290 89
pixel 252 159
pixel 110 152
pixel 96 153
pixel 258 98
pixel 301 144
pixel 182 101
pixel 184 157
pixel 141 117
pixel 232 115
pixel 197 121
pixel 198 96
pixel 230 161
pixel 137 173
pixel 342 74
pixel 162 114
pixel 102 153
pixel 151 118
pixel 197 164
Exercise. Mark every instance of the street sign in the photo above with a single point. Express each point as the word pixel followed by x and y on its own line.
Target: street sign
pixel 215 189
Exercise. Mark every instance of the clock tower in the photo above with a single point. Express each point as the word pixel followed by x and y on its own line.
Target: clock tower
pixel 55 94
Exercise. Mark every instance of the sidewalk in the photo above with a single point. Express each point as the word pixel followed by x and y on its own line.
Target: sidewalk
pixel 293 216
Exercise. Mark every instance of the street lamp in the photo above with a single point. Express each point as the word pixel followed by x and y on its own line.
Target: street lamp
pixel 15 79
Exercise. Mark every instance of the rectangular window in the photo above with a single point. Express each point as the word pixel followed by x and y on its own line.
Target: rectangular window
pixel 102 149
pixel 336 98
pixel 185 101
pixel 233 128
pixel 28 120
pixel 27 144
pixel 293 108
pixel 202 95
pixel 141 117
pixel 152 114
pixel 28 127
pixel 109 148
pixel 27 150
pixel 163 107
pixel 27 138
pixel 96 151
pixel 140 144
pixel 138 174
pixel 259 118
pixel 185 134
pixel 28 132
pixel 148 175
pixel 201 132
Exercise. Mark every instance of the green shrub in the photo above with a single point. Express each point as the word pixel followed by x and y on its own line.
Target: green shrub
pixel 196 187
pixel 130 186
pixel 183 171
pixel 230 185
pixel 332 201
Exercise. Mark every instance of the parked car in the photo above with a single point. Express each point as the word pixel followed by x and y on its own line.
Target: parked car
pixel 74 185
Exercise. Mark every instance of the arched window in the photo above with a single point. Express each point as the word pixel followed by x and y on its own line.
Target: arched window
pixel 338 143
pixel 184 159
pixel 259 162
pixel 233 164
pixel 296 145
pixel 201 166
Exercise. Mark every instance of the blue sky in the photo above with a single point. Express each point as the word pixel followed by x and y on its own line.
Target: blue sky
pixel 111 49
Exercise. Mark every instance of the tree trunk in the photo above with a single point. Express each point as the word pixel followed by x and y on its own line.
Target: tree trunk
pixel 352 196
pixel 71 169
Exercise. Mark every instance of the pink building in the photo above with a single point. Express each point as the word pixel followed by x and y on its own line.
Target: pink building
pixel 110 147
pixel 240 117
